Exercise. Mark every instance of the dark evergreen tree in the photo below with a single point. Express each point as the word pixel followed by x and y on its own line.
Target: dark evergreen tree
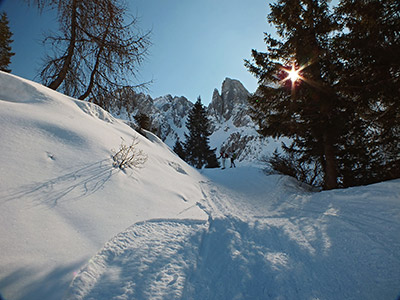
pixel 369 67
pixel 178 149
pixel 212 161
pixel 343 114
pixel 5 43
pixel 197 149
pixel 143 121
pixel 306 109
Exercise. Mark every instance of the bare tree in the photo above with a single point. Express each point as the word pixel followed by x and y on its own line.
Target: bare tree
pixel 98 47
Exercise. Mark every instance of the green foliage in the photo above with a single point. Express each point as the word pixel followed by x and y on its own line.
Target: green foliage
pixel 197 150
pixel 5 43
pixel 304 111
pixel 369 67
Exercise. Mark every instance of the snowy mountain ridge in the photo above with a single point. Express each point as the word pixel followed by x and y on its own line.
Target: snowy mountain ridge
pixel 231 126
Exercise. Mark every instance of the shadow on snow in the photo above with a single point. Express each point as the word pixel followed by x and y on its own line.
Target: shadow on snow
pixel 73 185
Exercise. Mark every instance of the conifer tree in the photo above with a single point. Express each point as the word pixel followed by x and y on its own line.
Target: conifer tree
pixel 197 149
pixel 178 149
pixel 5 43
pixel 343 114
pixel 143 121
pixel 369 67
pixel 304 108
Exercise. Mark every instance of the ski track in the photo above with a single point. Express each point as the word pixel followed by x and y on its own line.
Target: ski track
pixel 147 261
pixel 250 248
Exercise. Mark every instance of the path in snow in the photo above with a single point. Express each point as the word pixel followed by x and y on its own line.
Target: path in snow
pixel 150 260
pixel 265 239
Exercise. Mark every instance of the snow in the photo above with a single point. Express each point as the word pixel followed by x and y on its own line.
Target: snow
pixel 61 199
pixel 74 227
pixel 250 147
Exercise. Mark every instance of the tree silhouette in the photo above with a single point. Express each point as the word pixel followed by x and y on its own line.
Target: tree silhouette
pixel 197 149
pixel 97 50
pixel 5 43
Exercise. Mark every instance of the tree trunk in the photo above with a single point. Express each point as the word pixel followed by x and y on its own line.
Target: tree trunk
pixel 96 65
pixel 92 76
pixel 331 174
pixel 70 51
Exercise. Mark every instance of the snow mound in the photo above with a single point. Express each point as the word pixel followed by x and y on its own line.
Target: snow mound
pixel 19 90
pixel 66 216
pixel 95 111
pixel 61 199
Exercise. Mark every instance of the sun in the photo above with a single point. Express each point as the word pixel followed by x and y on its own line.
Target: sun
pixel 293 74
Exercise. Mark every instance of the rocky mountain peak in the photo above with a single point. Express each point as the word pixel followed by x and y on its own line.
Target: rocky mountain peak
pixel 176 105
pixel 230 104
pixel 234 92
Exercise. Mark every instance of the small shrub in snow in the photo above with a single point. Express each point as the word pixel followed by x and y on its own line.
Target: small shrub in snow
pixel 129 156
pixel 290 164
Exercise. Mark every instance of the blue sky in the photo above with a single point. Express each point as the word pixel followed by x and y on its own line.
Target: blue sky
pixel 196 44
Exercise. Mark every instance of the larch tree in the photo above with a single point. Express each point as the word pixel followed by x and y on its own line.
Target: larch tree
pixel 97 49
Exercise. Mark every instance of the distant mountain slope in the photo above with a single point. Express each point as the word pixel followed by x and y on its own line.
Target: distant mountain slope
pixel 232 128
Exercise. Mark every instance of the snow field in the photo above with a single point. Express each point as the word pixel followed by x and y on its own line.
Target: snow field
pixel 285 244
pixel 74 227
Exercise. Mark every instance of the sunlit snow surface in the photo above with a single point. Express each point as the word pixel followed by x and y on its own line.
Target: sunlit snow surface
pixel 265 239
pixel 74 227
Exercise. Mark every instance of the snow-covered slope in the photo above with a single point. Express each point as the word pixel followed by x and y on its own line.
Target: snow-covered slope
pixel 74 227
pixel 61 198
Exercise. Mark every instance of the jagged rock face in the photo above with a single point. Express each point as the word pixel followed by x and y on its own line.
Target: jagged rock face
pixel 167 114
pixel 239 143
pixel 231 104
pixel 143 103
pixel 176 108
pixel 216 108
pixel 170 116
